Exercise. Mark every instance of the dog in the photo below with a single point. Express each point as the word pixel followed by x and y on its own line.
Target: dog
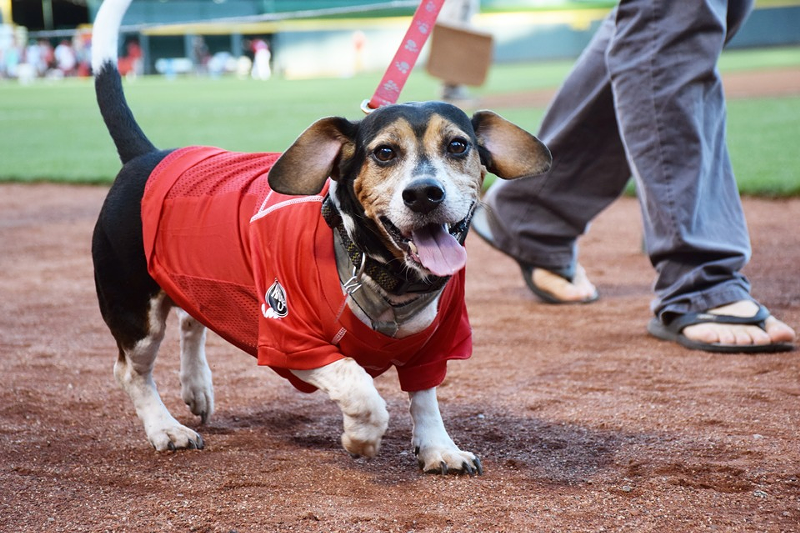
pixel 331 262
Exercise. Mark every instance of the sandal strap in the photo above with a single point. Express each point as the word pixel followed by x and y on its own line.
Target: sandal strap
pixel 568 273
pixel 690 319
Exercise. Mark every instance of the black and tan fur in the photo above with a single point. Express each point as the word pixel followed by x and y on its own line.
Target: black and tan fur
pixel 400 170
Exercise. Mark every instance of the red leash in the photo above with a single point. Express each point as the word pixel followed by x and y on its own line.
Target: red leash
pixel 388 90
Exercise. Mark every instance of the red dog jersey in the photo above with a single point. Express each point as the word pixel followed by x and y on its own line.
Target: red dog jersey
pixel 258 268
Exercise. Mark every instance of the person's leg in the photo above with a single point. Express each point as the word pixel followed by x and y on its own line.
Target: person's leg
pixel 537 220
pixel 662 60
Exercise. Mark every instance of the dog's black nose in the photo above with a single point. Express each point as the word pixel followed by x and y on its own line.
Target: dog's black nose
pixel 423 195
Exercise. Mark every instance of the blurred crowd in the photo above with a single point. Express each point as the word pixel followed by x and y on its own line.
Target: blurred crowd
pixel 39 58
pixel 64 58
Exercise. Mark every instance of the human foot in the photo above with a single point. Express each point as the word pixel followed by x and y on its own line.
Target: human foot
pixel 551 286
pixel 554 288
pixel 740 327
pixel 774 332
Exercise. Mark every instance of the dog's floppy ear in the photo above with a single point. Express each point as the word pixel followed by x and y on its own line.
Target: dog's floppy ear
pixel 313 157
pixel 509 151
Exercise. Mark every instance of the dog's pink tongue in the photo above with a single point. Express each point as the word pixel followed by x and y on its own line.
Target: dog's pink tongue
pixel 438 251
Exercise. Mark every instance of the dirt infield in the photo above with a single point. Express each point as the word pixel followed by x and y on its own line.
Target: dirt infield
pixel 583 422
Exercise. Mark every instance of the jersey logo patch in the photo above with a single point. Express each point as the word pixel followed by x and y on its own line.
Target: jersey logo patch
pixel 274 305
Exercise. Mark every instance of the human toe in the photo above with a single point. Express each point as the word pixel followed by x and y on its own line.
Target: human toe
pixel 708 333
pixel 752 335
pixel 777 331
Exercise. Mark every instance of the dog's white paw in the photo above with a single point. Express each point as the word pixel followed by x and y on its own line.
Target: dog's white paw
pixel 198 394
pixel 363 432
pixel 447 459
pixel 435 450
pixel 174 436
pixel 363 409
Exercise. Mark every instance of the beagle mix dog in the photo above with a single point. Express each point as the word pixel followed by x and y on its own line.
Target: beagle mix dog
pixel 330 263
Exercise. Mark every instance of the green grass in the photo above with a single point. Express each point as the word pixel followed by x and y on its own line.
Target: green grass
pixel 762 139
pixel 53 131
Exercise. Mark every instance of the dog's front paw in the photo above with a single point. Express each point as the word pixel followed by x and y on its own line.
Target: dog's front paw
pixel 447 460
pixel 363 433
pixel 174 437
pixel 363 409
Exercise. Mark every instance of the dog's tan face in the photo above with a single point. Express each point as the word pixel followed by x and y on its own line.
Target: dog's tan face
pixel 408 176
pixel 418 184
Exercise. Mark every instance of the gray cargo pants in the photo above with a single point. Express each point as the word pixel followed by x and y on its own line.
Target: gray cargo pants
pixel 644 99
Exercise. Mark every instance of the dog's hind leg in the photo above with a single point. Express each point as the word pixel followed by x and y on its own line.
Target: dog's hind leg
pixel 435 450
pixel 196 386
pixel 134 373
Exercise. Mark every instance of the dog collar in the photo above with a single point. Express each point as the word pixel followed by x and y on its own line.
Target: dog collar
pixel 397 281
pixel 373 303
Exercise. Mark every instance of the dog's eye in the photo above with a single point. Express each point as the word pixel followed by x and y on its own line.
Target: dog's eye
pixel 457 146
pixel 384 153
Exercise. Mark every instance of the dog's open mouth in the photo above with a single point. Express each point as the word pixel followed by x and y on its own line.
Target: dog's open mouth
pixel 436 247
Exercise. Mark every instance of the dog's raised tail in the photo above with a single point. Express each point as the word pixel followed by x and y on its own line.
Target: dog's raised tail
pixel 128 137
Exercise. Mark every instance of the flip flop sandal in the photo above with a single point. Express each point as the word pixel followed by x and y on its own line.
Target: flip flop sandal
pixel 672 331
pixel 547 296
pixel 480 224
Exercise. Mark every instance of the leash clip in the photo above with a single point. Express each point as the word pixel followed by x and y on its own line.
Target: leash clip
pixel 365 107
pixel 352 285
